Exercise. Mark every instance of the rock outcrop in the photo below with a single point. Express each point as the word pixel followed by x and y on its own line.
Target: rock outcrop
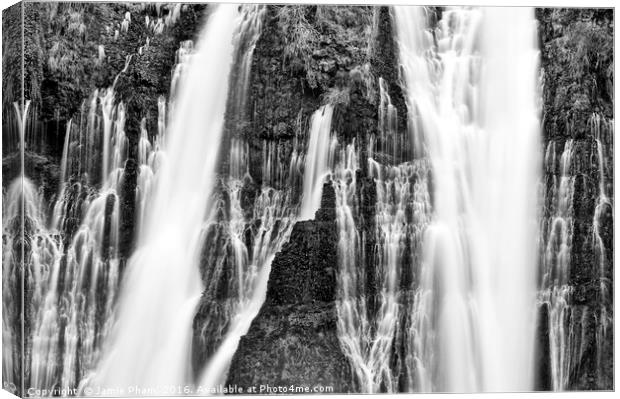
pixel 577 65
pixel 308 56
pixel 293 340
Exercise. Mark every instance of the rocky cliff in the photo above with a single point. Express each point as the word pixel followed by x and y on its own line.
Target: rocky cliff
pixel 337 60
pixel 69 51
pixel 577 70
pixel 577 73
pixel 293 340
pixel 308 56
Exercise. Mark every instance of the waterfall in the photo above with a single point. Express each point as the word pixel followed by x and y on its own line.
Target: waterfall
pixel 352 321
pixel 241 245
pixel 150 343
pixel 254 240
pixel 21 217
pixel 66 156
pixel 71 261
pixel 247 34
pixel 150 157
pixel 603 137
pixel 77 277
pixel 443 263
pixel 24 203
pixel 77 268
pixel 557 245
pixel 479 131
pixel 567 320
pixel 318 161
pixel 401 215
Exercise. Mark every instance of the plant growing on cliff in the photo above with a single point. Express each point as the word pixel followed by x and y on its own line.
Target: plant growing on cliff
pixel 75 24
pixel 300 38
pixel 299 35
pixel 590 51
pixel 336 96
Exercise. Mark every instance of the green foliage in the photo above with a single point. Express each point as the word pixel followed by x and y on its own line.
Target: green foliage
pixel 590 48
pixel 11 58
pixel 33 53
pixel 337 96
pixel 578 67
pixel 364 75
pixel 75 25
pixel 323 41
pixel 63 62
pixel 299 35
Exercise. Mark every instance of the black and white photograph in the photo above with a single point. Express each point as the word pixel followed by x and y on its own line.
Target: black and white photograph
pixel 204 199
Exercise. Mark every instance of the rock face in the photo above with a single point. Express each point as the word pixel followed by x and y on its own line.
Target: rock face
pixel 308 56
pixel 62 65
pixel 293 73
pixel 69 50
pixel 293 340
pixel 577 64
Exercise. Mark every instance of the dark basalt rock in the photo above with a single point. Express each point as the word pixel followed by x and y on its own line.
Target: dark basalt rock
pixel 293 340
pixel 292 345
pixel 128 208
pixel 305 269
pixel 285 88
pixel 577 63
pixel 60 50
pixel 543 361
pixel 57 88
pixel 41 169
pixel 299 310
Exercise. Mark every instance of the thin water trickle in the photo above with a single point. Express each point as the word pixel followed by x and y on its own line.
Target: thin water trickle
pixel 268 226
pixel 72 278
pixel 254 233
pixel 557 243
pixel 370 322
pixel 602 130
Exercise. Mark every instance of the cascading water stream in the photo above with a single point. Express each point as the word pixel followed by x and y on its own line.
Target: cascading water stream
pixel 71 268
pixel 602 130
pixel 151 341
pixel 21 216
pixel 269 225
pixel 556 260
pixel 89 270
pixel 353 325
pixel 603 137
pixel 318 161
pixel 436 288
pixel 150 157
pixel 479 130
pixel 40 273
pixel 255 227
pixel 401 214
pixel 567 320
pixel 80 287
